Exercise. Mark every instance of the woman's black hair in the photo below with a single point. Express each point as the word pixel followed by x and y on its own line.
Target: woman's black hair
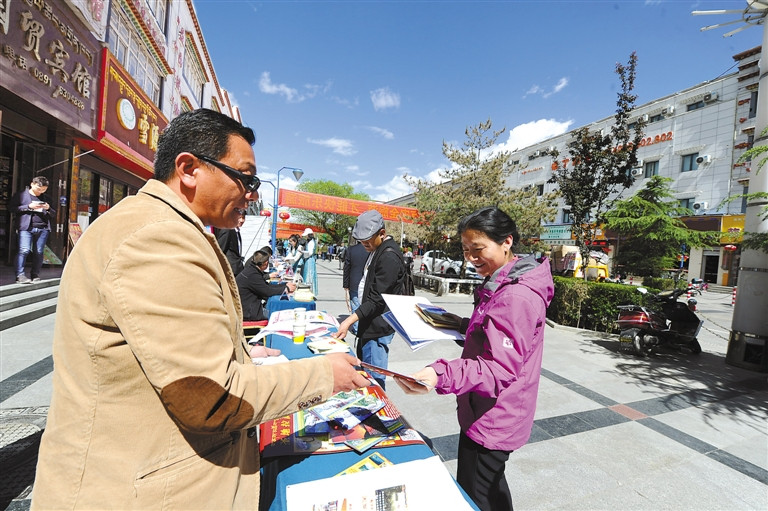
pixel 492 222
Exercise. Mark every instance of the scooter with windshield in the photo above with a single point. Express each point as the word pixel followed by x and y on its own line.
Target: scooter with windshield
pixel 668 322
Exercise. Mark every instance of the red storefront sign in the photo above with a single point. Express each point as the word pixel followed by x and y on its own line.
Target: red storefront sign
pixel 129 123
pixel 50 60
pixel 329 204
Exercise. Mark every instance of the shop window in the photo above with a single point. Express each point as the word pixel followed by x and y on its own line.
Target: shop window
pixel 651 168
pixel 689 162
pixel 696 106
pixel 132 53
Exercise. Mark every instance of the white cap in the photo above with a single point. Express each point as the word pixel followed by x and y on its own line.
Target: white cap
pixel 307 231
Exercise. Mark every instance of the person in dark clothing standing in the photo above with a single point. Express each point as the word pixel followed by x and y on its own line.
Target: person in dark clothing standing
pixel 254 287
pixel 33 221
pixel 231 244
pixel 354 263
pixel 383 273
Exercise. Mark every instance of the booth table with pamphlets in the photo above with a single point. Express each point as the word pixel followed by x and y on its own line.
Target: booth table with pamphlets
pixel 280 472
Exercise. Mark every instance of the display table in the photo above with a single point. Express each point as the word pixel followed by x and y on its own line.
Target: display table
pixel 282 302
pixel 279 472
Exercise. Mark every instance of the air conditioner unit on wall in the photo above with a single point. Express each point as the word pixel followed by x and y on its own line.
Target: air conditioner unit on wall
pixel 637 172
pixel 710 96
pixel 639 163
pixel 698 206
pixel 670 110
pixel 644 117
pixel 536 154
pixel 703 159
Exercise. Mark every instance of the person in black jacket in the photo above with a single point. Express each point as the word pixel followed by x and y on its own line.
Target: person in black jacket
pixel 231 244
pixel 384 273
pixel 254 287
pixel 354 263
pixel 33 223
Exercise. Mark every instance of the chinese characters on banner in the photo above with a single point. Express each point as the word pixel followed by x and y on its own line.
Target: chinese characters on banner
pixel 339 205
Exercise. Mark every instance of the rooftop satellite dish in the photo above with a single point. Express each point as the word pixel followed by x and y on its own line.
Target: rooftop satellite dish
pixel 754 14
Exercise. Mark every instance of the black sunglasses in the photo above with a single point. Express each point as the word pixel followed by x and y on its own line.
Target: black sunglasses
pixel 251 182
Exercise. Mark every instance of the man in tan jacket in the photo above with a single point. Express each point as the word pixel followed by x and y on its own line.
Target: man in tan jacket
pixel 155 400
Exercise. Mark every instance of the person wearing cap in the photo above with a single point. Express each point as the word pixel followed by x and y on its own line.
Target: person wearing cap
pixel 309 256
pixel 384 273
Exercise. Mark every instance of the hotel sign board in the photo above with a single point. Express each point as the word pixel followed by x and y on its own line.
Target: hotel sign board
pixel 129 122
pixel 50 60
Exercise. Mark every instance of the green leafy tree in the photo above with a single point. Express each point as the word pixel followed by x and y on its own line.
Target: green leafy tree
pixel 600 164
pixel 335 225
pixel 758 155
pixel 476 178
pixel 651 231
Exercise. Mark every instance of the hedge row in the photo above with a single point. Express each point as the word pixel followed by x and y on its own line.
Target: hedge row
pixel 593 305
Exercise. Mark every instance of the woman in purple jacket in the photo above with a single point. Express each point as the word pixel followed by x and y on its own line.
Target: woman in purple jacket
pixel 497 377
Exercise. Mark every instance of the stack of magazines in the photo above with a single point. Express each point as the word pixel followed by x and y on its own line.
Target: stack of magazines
pixel 437 316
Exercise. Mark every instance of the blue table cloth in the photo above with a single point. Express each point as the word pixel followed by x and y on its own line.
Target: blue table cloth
pixel 282 302
pixel 278 472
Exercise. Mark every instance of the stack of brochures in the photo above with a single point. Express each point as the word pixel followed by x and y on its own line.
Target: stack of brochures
pixel 437 316
pixel 416 331
pixel 349 420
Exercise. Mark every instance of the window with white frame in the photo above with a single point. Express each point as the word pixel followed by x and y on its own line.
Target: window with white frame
pixel 686 203
pixel 651 168
pixel 159 8
pixel 193 72
pixel 132 53
pixel 696 105
pixel 567 216
pixel 689 162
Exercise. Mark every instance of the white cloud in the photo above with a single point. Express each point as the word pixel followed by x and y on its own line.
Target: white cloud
pixel 291 94
pixel 384 98
pixel 538 90
pixel 531 133
pixel 561 84
pixel 381 131
pixel 338 145
pixel 396 187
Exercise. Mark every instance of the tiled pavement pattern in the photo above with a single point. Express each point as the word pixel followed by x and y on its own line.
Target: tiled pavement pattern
pixel 612 431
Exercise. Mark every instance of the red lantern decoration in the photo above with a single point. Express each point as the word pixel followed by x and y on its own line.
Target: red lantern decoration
pixel 284 215
pixel 265 212
pixel 730 248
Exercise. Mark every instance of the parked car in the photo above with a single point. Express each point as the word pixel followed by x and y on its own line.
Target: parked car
pixel 437 262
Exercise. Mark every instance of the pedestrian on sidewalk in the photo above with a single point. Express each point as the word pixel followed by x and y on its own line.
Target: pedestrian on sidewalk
pixel 354 264
pixel 33 224
pixel 156 401
pixel 496 379
pixel 383 273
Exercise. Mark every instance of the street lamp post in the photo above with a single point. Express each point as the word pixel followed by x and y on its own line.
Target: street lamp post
pixel 297 173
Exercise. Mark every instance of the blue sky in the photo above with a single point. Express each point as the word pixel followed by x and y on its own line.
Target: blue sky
pixel 362 92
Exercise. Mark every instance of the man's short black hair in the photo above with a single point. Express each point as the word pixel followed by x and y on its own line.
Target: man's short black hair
pixel 203 131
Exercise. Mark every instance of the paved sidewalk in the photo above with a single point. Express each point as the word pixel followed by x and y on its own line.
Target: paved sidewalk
pixel 612 431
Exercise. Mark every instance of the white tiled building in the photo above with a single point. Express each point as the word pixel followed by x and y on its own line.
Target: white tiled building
pixel 695 137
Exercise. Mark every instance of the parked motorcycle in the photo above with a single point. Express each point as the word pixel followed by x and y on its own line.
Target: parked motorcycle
pixel 668 322
pixel 698 285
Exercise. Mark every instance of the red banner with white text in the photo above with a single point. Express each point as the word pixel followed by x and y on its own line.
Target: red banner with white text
pixel 329 204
